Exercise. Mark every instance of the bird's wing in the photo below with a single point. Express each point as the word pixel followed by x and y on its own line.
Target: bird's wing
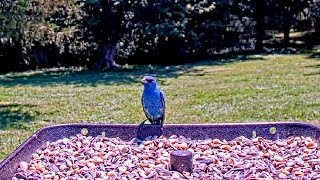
pixel 163 102
pixel 145 111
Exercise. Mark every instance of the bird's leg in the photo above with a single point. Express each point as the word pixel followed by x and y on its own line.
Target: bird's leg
pixel 159 122
pixel 141 125
pixel 161 125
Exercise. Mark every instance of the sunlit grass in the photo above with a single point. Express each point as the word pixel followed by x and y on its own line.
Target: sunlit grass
pixel 256 89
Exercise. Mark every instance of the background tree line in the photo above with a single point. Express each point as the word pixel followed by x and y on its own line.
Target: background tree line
pixel 93 33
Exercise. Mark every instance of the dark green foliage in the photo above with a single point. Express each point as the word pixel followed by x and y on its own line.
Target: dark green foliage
pixel 287 14
pixel 44 33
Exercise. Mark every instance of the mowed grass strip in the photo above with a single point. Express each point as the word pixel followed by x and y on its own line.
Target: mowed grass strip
pixel 253 89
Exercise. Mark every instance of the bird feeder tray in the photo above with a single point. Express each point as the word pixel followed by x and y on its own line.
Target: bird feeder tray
pixel 127 132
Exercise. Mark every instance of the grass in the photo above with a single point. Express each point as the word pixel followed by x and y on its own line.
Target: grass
pixel 250 89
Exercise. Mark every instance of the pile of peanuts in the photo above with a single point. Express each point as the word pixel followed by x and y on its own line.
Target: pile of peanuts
pixel 85 157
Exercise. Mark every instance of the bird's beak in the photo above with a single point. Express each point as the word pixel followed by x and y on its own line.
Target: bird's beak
pixel 143 81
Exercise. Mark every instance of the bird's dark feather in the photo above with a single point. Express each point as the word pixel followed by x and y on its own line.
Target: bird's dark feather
pixel 145 111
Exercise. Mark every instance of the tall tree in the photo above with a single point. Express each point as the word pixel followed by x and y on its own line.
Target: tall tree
pixel 260 26
pixel 285 14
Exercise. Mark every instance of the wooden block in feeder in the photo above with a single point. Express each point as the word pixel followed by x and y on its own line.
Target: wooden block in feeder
pixel 181 160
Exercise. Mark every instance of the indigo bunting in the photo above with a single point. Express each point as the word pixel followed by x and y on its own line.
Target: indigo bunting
pixel 153 101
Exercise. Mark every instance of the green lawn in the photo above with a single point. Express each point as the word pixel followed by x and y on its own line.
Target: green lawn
pixel 250 89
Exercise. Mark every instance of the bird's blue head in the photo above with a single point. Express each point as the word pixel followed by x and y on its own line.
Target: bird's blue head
pixel 149 82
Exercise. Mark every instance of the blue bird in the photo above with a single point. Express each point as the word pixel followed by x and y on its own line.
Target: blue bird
pixel 153 101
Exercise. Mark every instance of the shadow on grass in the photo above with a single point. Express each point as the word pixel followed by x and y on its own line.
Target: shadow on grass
pixel 123 75
pixel 12 115
pixel 316 69
pixel 315 55
pixel 82 77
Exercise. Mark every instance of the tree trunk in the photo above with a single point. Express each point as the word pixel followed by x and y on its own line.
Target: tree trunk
pixel 286 34
pixel 40 56
pixel 110 26
pixel 317 26
pixel 260 25
pixel 288 17
pixel 108 56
